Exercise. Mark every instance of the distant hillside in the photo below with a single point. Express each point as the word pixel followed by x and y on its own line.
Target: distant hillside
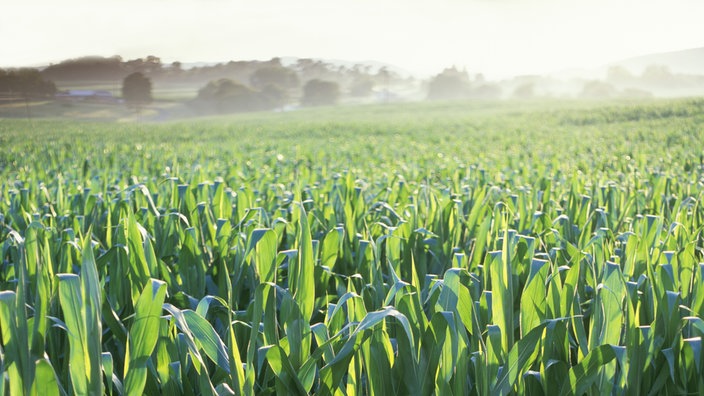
pixel 689 61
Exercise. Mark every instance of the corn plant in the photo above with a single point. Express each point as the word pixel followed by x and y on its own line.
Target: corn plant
pixel 421 249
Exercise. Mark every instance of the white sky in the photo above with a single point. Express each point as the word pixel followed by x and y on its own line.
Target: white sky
pixel 495 37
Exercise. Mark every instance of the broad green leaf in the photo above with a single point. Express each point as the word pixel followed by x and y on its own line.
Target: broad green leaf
pixel 502 293
pixel 15 352
pixel 205 336
pixel 143 336
pixel 90 313
pixel 533 299
pixel 301 281
pixel 45 381
pixel 586 373
pixel 519 359
pixel 265 246
pixel 285 374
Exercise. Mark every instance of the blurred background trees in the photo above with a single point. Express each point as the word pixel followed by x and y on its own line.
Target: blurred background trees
pixel 320 93
pixel 25 83
pixel 137 90
pixel 228 96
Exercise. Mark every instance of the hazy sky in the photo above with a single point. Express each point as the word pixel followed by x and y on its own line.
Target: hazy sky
pixel 496 37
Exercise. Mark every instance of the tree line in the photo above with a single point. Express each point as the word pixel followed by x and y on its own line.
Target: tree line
pixel 274 84
pixel 25 83
pixel 231 86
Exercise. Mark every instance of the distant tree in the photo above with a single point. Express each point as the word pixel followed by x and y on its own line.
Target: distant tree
pixel 275 61
pixel 87 68
pixel 597 90
pixel 274 75
pixel 309 69
pixel 361 87
pixel 636 93
pixel 25 83
pixel 658 75
pixel 148 66
pixel 229 96
pixel 137 90
pixel 619 75
pixel 485 91
pixel 524 91
pixel 274 96
pixel 450 84
pixel 383 75
pixel 319 93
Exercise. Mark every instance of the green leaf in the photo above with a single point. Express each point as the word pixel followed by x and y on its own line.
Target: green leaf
pixel 519 359
pixel 45 381
pixel 502 292
pixel 71 305
pixel 331 374
pixel 205 336
pixel 143 336
pixel 301 280
pixel 15 352
pixel 91 313
pixel 265 244
pixel 437 353
pixel 533 300
pixel 585 373
pixel 285 374
pixel 331 247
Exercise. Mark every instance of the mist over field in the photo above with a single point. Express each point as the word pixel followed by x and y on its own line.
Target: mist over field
pixel 223 57
pixel 97 87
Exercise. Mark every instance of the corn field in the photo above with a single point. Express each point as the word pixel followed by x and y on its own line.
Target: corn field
pixel 450 249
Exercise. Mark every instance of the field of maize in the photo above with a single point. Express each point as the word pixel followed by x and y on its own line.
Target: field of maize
pixel 416 249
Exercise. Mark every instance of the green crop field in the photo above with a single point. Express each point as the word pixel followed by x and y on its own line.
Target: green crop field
pixel 464 248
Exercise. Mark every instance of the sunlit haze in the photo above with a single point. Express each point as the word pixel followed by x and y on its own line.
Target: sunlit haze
pixel 498 38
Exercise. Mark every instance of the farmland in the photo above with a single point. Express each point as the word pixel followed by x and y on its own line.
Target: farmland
pixel 429 248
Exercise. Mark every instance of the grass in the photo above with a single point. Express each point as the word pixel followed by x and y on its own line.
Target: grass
pixel 451 248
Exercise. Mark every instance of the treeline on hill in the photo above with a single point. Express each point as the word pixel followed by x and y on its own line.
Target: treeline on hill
pixel 453 83
pixel 238 85
pixel 24 83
